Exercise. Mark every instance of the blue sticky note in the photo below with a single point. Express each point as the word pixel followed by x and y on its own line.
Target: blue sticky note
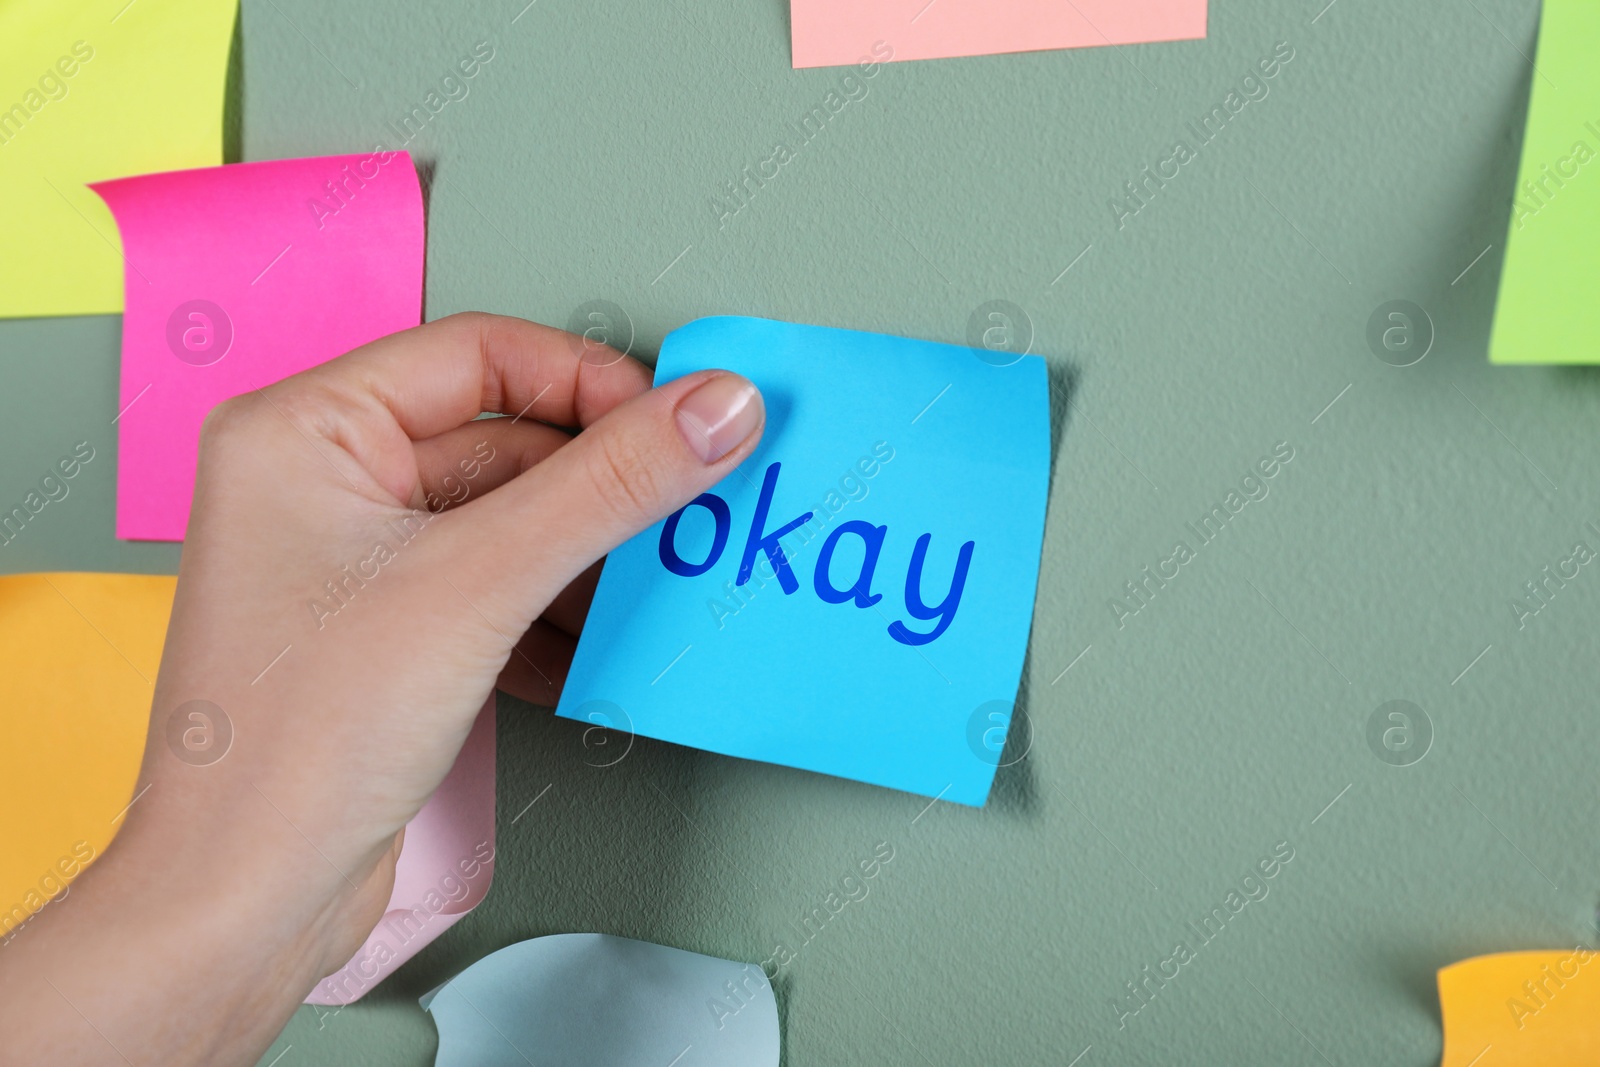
pixel 855 598
pixel 577 1000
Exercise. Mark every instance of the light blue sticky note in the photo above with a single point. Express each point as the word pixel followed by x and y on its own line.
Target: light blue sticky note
pixel 855 599
pixel 577 1000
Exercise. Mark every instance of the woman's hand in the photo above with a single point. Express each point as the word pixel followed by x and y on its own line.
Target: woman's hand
pixel 366 560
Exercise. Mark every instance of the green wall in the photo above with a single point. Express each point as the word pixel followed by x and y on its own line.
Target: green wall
pixel 1187 740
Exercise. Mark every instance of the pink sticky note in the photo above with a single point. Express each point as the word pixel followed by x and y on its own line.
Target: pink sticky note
pixel 236 277
pixel 828 33
pixel 444 870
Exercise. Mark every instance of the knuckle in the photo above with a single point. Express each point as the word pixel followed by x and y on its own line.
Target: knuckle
pixel 228 421
pixel 471 328
pixel 250 421
pixel 470 321
pixel 624 480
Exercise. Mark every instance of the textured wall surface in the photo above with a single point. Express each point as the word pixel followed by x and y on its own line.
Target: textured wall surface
pixel 1188 739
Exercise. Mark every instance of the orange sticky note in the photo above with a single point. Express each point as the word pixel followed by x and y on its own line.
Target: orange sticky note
pixel 78 661
pixel 1522 1009
pixel 832 33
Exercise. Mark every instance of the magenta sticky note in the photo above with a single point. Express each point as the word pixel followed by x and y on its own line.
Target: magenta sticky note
pixel 830 33
pixel 236 277
pixel 445 867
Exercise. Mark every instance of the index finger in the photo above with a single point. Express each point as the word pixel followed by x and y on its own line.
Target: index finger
pixel 445 373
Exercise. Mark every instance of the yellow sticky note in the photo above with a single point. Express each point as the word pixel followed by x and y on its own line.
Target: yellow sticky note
pixel 78 659
pixel 1546 311
pixel 90 90
pixel 1522 1009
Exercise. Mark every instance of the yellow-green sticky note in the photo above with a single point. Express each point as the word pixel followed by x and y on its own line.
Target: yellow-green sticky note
pixel 1547 312
pixel 91 90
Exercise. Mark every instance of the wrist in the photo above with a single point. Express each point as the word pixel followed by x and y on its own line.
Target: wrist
pixel 217 903
pixel 258 878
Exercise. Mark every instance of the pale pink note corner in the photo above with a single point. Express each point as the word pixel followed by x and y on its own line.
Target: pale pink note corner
pixel 445 869
pixel 831 33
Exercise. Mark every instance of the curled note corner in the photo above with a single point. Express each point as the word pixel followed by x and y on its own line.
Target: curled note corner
pixel 238 277
pixel 571 1000
pixel 1522 1009
pixel 446 864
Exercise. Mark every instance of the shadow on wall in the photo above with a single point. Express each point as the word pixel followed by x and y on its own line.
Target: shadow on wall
pixel 233 97
pixel 1488 216
pixel 787 23
pixel 1016 785
pixel 1063 385
pixel 427 170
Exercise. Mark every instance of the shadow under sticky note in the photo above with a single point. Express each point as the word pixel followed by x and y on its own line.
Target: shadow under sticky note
pixel 1522 1009
pixel 830 33
pixel 78 661
pixel 857 596
pixel 575 1000
pixel 1546 311
pixel 96 89
pixel 446 865
pixel 238 277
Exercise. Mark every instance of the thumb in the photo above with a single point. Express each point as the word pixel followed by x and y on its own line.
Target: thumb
pixel 640 462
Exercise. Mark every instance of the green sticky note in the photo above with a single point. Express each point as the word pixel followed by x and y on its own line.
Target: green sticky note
pixel 1547 311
